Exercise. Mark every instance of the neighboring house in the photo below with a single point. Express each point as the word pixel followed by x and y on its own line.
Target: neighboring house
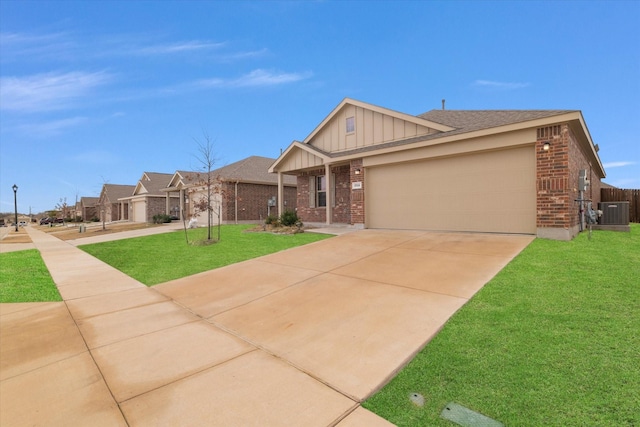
pixel 110 207
pixel 74 211
pixel 88 210
pixel 605 185
pixel 243 191
pixel 508 171
pixel 148 200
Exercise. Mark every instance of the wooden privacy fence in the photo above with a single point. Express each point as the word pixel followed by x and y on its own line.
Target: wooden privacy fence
pixel 619 195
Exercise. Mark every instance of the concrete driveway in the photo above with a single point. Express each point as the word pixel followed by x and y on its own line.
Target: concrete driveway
pixel 299 337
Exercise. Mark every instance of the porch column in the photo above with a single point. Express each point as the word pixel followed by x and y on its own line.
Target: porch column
pixel 280 194
pixel 182 216
pixel 167 204
pixel 329 197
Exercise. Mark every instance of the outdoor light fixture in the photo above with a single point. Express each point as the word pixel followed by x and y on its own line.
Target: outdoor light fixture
pixel 546 146
pixel 357 171
pixel 15 203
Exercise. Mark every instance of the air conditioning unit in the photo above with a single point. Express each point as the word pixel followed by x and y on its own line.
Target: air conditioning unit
pixel 614 213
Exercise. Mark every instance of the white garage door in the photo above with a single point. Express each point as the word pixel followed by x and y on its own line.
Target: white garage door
pixel 489 192
pixel 139 211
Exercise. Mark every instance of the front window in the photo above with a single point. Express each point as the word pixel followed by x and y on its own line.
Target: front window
pixel 321 191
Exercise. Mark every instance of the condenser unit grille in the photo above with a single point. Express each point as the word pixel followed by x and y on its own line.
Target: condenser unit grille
pixel 614 213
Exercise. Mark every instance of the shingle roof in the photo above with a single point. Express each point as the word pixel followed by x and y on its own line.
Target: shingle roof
pixel 156 182
pixel 472 120
pixel 89 201
pixel 113 192
pixel 254 169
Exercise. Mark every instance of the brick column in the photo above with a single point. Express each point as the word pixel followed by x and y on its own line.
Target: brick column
pixel 552 184
pixel 357 195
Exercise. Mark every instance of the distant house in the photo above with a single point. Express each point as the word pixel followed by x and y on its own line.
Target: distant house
pixel 148 200
pixel 87 209
pixel 499 171
pixel 243 192
pixel 110 207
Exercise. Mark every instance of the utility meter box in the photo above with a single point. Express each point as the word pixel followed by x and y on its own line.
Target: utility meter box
pixel 583 181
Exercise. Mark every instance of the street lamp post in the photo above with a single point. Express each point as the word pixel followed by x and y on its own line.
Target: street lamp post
pixel 15 203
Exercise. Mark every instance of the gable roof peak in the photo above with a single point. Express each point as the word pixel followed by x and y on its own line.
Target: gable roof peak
pixel 382 110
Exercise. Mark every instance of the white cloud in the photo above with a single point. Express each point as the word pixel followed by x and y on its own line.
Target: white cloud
pixel 34 46
pixel 49 91
pixel 170 48
pixel 242 55
pixel 618 164
pixel 500 85
pixel 255 78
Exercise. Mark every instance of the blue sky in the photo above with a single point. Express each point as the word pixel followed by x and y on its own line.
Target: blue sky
pixel 101 91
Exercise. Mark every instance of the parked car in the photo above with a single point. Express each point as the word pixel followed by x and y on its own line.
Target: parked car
pixel 23 223
pixel 45 221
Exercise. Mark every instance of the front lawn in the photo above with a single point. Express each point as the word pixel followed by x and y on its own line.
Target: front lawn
pixel 25 278
pixel 552 340
pixel 163 257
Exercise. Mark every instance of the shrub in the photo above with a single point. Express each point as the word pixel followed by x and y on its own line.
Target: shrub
pixel 161 218
pixel 289 218
pixel 272 220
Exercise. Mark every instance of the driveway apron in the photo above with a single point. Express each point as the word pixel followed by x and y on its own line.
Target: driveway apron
pixel 299 337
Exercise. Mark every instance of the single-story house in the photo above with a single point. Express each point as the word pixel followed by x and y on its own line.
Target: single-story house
pixel 503 171
pixel 110 206
pixel 242 192
pixel 88 210
pixel 149 200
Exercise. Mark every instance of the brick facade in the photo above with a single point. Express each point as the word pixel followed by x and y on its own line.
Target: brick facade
pixel 89 213
pixel 343 203
pixel 158 206
pixel 557 172
pixel 252 200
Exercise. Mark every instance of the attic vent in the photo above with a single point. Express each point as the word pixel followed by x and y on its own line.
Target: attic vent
pixel 351 124
pixel 549 131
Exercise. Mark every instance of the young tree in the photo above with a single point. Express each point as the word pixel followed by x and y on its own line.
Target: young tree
pixel 208 202
pixel 63 208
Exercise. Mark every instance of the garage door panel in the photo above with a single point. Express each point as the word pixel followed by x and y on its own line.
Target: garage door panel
pixel 139 211
pixel 491 192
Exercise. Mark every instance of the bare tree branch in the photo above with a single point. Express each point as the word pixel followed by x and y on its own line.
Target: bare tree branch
pixel 207 160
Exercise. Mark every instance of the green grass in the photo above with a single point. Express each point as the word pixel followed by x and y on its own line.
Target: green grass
pixel 25 278
pixel 553 340
pixel 163 257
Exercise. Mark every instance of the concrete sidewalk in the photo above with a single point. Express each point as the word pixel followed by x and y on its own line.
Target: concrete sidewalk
pixel 299 337
pixel 86 239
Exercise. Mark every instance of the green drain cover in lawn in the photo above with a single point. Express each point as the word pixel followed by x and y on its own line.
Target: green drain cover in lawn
pixel 466 417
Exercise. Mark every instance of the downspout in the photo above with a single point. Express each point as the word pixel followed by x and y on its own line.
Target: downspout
pixel 236 203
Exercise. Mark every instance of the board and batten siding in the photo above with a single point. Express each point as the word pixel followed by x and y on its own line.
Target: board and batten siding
pixel 371 128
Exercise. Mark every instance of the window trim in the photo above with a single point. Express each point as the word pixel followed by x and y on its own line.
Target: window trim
pixel 319 179
pixel 330 191
pixel 350 123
